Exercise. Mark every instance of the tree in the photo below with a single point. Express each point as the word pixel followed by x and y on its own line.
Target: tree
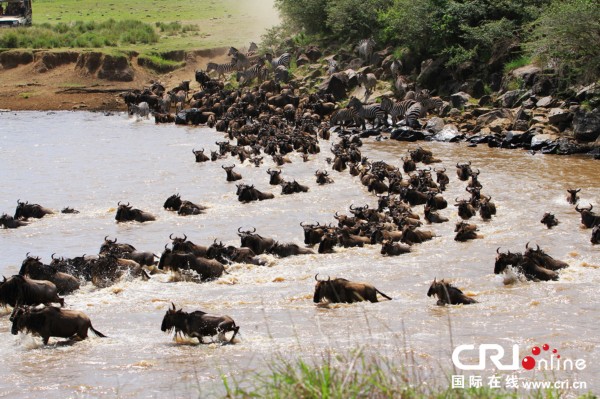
pixel 567 37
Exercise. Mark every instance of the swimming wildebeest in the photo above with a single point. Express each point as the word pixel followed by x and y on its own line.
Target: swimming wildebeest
pixel 523 264
pixel 52 322
pixel 200 156
pixel 448 294
pixel 341 290
pixel 10 222
pixel 231 175
pixel 125 213
pixel 183 207
pixel 257 243
pixel 572 198
pixel 390 248
pixel 595 235
pixel 588 218
pixel 25 210
pixel 208 269
pixel 463 171
pixel 248 193
pixel 549 220
pixel 198 324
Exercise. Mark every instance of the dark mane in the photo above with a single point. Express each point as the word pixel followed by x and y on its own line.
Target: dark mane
pixel 9 290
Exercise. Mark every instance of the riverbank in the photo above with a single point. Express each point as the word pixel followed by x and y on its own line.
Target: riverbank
pixel 71 80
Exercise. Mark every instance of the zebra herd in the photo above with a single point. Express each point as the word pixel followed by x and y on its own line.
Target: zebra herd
pixel 414 106
pixel 249 67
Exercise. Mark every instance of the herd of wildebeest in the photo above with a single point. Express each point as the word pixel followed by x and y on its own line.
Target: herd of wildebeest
pixel 263 125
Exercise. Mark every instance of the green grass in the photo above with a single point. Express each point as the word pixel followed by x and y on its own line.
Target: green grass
pixel 516 63
pixel 180 25
pixel 357 375
pixel 159 64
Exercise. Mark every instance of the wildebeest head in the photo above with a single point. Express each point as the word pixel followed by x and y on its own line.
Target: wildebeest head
pixel 173 319
pixel 549 220
pixel 506 259
pixel 173 202
pixel 573 198
pixel 200 156
pixel 448 294
pixel 275 176
pixel 588 218
pixel 463 171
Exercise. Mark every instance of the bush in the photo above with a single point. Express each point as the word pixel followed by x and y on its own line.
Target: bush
pixel 566 37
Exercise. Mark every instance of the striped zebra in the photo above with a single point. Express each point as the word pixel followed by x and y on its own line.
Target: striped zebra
pixel 252 49
pixel 221 69
pixel 433 104
pixel 238 58
pixel 332 67
pixel 256 71
pixel 365 49
pixel 396 109
pixel 369 112
pixel 413 114
pixel 343 115
pixel 284 59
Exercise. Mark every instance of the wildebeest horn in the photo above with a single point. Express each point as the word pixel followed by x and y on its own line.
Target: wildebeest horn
pixel 469 163
pixel 316 279
pixel 27 255
pixel 538 246
pixel 223 166
pixel 166 247
pixel 254 229
pixel 328 278
pixel 52 256
pixel 578 190
pixel 457 165
pixel 119 203
pixel 527 245
pixel 184 237
pixel 239 229
pixel 351 207
pixel 173 305
pixel 577 209
pixel 301 225
pixel 591 207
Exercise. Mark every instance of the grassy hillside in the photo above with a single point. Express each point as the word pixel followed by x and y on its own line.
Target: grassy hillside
pixel 207 23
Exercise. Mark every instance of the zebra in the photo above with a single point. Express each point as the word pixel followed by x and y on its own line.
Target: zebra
pixel 343 115
pixel 395 68
pixel 284 59
pixel 221 69
pixel 365 49
pixel 413 114
pixel 432 103
pixel 282 74
pixel 396 109
pixel 240 60
pixel 255 71
pixel 369 112
pixel 332 67
pixel 252 49
pixel 368 80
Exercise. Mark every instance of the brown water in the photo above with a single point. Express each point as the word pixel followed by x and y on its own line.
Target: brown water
pixel 90 162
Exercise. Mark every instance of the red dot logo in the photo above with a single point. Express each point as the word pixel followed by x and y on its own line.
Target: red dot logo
pixel 535 350
pixel 528 363
pixel 545 347
pixel 554 351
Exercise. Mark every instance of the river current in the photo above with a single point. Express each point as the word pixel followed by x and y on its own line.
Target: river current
pixel 91 161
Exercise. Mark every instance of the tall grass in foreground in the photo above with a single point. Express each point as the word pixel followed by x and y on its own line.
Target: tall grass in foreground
pixel 356 376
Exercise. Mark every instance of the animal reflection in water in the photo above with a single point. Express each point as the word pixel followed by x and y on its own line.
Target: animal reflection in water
pixel 448 294
pixel 50 321
pixel 198 324
pixel 341 290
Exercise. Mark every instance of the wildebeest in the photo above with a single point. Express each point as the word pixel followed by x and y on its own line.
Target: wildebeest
pixel 433 217
pixel 111 246
pixel 442 178
pixel 185 245
pixel 255 242
pixel 341 290
pixel 448 294
pixel 523 264
pixel 20 290
pixel 69 210
pixel 276 178
pixel 125 213
pixel 463 171
pixel 465 209
pixel 142 109
pixel 573 198
pixel 328 242
pixel 595 235
pixel 9 222
pixel 200 155
pixel 390 248
pixel 208 269
pixel 183 207
pixel 288 249
pixel 292 187
pixel 588 218
pixel 486 208
pixel 53 322
pixel 231 254
pixel 543 259
pixel 410 235
pixel 248 193
pixel 25 210
pixel 198 324
pixel 231 175
pixel 465 232
pixel 313 233
pixel 323 177
pixel 35 269
pixel 549 220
